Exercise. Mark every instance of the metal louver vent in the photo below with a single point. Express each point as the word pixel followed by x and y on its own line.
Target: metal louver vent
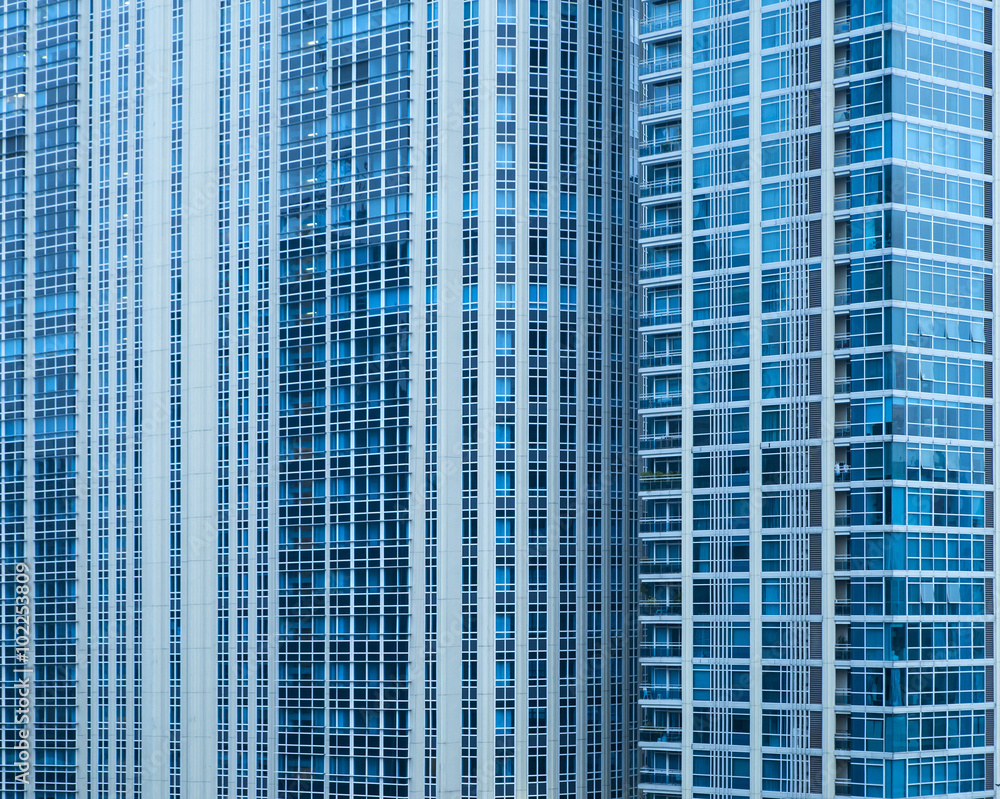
pixel 987 73
pixel 815 507
pixel 816 773
pixel 815 19
pixel 987 26
pixel 815 288
pixel 989 683
pixel 988 200
pixel 989 595
pixel 815 333
pixel 815 685
pixel 815 238
pixel 815 596
pixel 988 293
pixel 816 194
pixel 815 151
pixel 816 376
pixel 815 107
pixel 988 116
pixel 988 422
pixel 815 552
pixel 989 636
pixel 988 242
pixel 988 378
pixel 816 729
pixel 989 508
pixel 815 420
pixel 816 640
pixel 988 553
pixel 815 63
pixel 988 462
pixel 988 151
pixel 989 727
pixel 815 464
pixel 988 336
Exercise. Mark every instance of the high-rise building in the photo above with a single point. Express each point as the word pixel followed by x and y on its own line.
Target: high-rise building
pixel 315 407
pixel 816 612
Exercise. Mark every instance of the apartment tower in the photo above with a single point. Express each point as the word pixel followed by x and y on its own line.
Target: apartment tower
pixel 816 610
pixel 315 408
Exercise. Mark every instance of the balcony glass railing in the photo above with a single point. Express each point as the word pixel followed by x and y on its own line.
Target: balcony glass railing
pixel 654 230
pixel 660 359
pixel 659 270
pixel 660 147
pixel 660 318
pixel 660 22
pixel 660 400
pixel 660 442
pixel 670 524
pixel 659 105
pixel 651 608
pixel 659 776
pixel 660 692
pixel 660 735
pixel 659 566
pixel 660 483
pixel 655 188
pixel 659 650
pixel 660 63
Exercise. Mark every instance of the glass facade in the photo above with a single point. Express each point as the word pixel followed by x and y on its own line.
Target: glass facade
pixel 816 399
pixel 344 363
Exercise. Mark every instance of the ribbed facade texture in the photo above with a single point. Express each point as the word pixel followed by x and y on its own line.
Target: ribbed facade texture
pixel 816 399
pixel 498 398
pixel 315 401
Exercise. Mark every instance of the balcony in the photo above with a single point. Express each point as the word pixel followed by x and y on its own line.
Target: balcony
pixel 842 245
pixel 660 483
pixel 842 341
pixel 659 776
pixel 842 741
pixel 659 105
pixel 654 271
pixel 842 696
pixel 660 400
pixel 654 230
pixel 842 607
pixel 661 147
pixel 660 735
pixel 649 66
pixel 659 360
pixel 842 202
pixel 842 519
pixel 665 318
pixel 655 693
pixel 842 297
pixel 655 188
pixel 842 431
pixel 651 607
pixel 842 652
pixel 660 22
pixel 659 650
pixel 654 567
pixel 670 524
pixel 842 563
pixel 659 442
pixel 842 385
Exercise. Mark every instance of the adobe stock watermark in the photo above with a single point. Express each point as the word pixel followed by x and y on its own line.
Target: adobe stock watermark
pixel 22 643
